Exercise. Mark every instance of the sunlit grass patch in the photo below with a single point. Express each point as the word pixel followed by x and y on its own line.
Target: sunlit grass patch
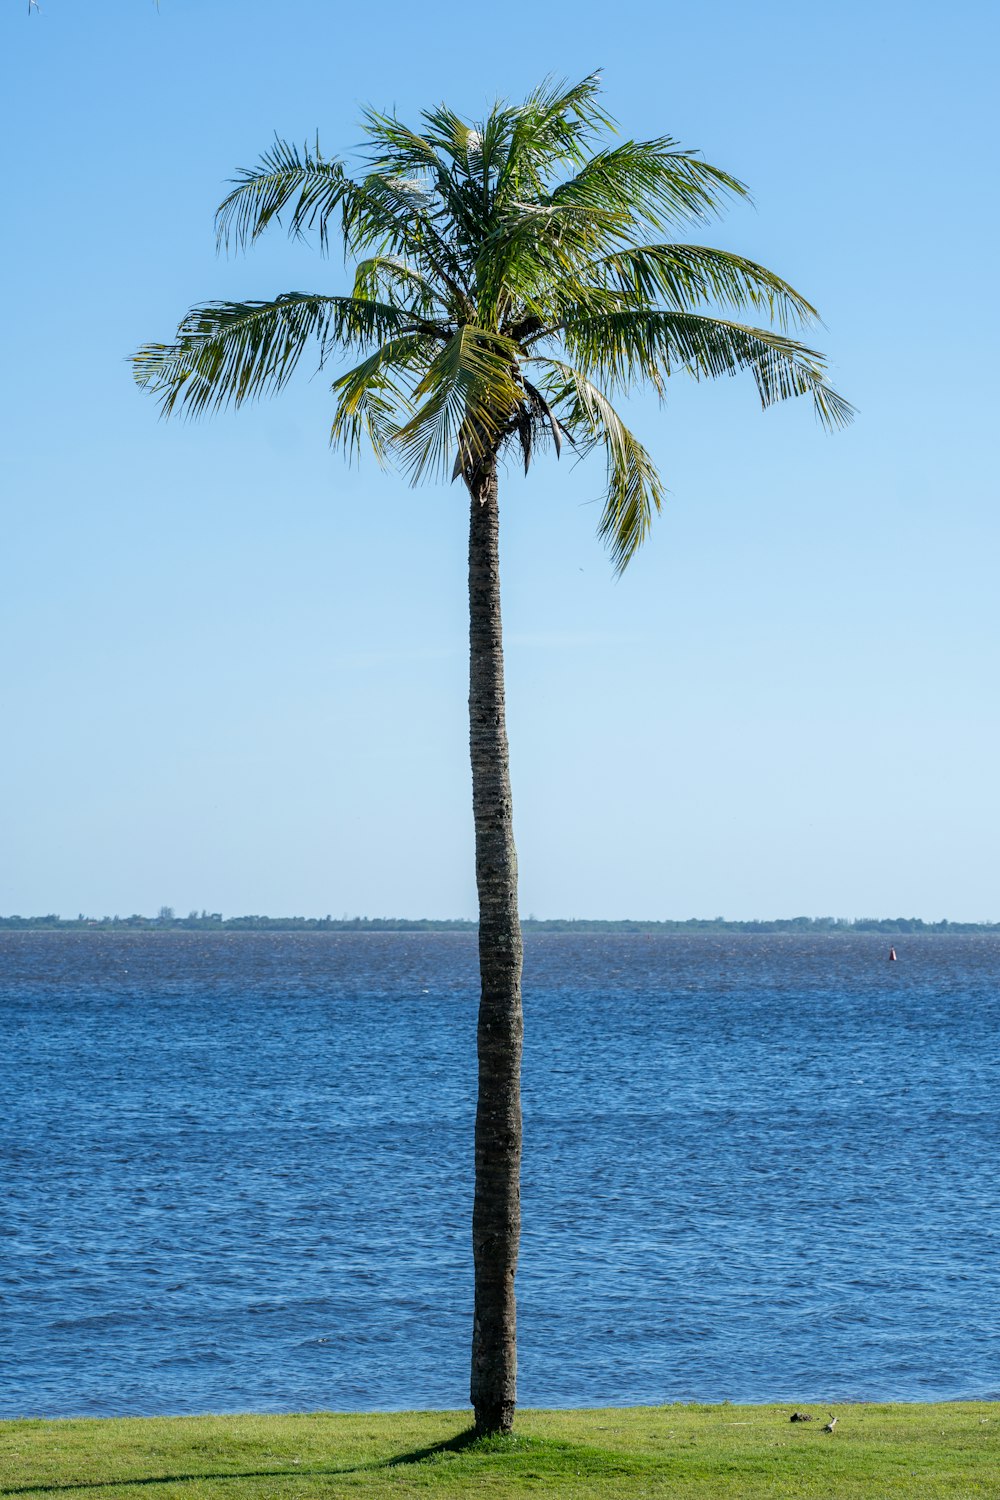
pixel 934 1452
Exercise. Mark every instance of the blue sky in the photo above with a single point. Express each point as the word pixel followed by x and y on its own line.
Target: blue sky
pixel 234 669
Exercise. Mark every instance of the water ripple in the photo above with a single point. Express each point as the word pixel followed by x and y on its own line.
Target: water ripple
pixel 238 1170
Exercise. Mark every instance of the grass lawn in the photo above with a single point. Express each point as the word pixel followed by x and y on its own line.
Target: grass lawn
pixel 688 1452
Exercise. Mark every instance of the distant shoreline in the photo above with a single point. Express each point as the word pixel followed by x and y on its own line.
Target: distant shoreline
pixel 214 922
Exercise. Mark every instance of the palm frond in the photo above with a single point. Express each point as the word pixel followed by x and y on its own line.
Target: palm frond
pixel 312 185
pixel 396 151
pixel 541 410
pixel 686 276
pixel 393 279
pixel 462 403
pixel 635 491
pixel 559 239
pixel 622 347
pixel 650 182
pixel 530 262
pixel 372 397
pixel 226 353
pixel 447 132
pixel 397 216
pixel 557 121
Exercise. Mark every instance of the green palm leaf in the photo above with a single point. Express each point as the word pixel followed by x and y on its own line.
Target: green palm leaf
pixel 463 404
pixel 372 396
pixel 397 216
pixel 314 187
pixel 553 127
pixel 650 182
pixel 637 345
pixel 226 353
pixel 400 284
pixel 687 276
pixel 634 491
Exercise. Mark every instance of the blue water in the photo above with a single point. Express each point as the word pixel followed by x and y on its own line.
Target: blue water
pixel 236 1170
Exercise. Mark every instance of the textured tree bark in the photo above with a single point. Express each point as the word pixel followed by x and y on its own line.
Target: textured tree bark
pixel 496 1217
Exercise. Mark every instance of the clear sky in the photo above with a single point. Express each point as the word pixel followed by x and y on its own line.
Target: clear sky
pixel 234 669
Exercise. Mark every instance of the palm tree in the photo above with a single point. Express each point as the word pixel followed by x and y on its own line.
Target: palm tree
pixel 511 278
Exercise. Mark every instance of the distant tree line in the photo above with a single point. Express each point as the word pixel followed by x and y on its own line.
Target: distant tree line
pixel 213 921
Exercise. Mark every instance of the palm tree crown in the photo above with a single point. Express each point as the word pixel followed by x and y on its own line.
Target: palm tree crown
pixel 511 279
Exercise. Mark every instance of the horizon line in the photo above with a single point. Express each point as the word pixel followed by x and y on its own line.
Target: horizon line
pixel 167 918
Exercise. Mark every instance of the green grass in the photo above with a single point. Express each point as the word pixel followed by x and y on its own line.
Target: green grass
pixel 688 1452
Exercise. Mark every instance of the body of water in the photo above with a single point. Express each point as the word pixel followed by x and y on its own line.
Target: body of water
pixel 237 1170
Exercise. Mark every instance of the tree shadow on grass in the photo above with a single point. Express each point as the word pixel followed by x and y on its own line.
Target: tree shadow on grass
pixel 459 1443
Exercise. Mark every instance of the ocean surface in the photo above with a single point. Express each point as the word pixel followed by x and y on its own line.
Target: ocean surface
pixel 236 1170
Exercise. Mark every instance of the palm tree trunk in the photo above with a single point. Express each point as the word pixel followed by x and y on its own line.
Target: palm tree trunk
pixel 496 1217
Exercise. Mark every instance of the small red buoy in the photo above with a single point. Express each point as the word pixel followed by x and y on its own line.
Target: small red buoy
pixel 892 955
